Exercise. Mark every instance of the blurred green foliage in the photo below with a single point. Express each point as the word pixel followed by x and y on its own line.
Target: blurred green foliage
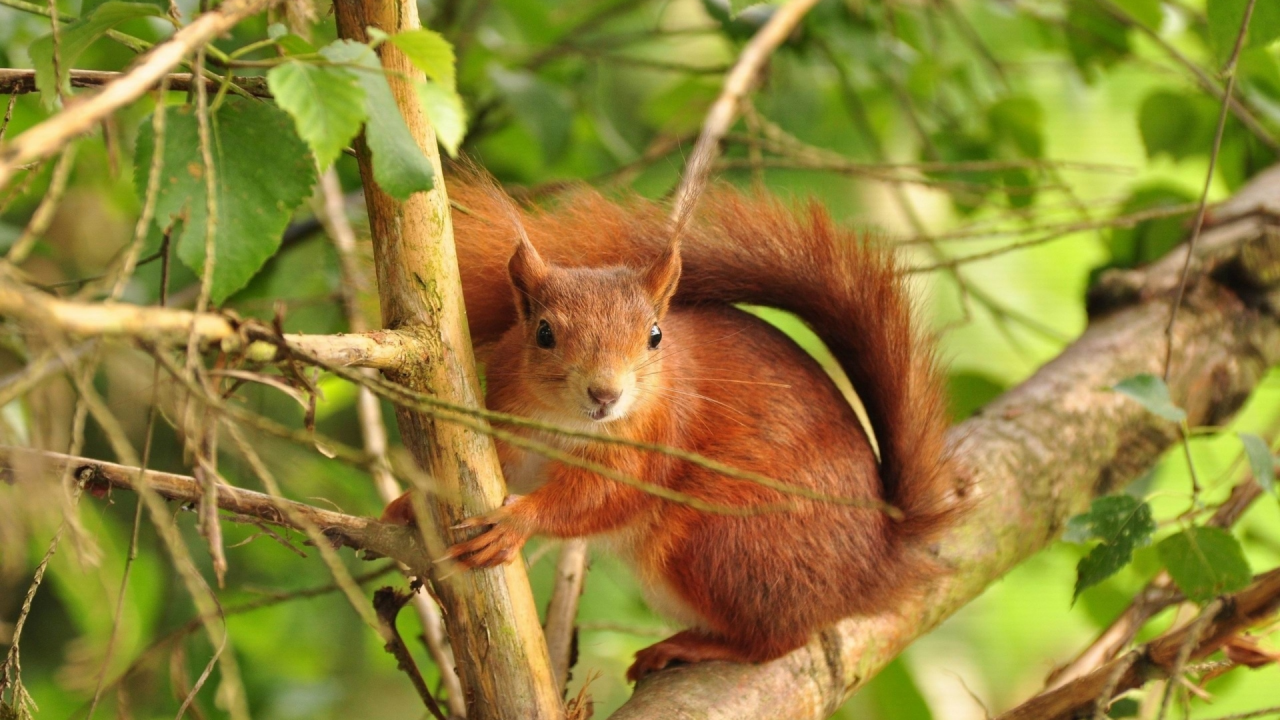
pixel 1076 133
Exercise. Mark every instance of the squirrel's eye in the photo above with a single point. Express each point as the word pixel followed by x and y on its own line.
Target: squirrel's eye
pixel 546 338
pixel 655 336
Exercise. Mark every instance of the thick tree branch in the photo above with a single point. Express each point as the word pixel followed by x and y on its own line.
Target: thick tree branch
pixel 1036 456
pixel 490 614
pixel 1159 658
pixel 360 533
pixel 383 349
pixel 48 137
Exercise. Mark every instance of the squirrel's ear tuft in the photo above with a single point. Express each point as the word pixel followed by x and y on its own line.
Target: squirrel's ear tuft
pixel 660 278
pixel 528 270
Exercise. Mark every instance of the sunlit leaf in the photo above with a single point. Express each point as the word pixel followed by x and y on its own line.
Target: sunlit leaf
pixel 1205 562
pixel 430 53
pixel 1153 394
pixel 1261 462
pixel 445 111
pixel 1122 523
pixel 399 165
pixel 327 104
pixel 263 171
pixel 76 37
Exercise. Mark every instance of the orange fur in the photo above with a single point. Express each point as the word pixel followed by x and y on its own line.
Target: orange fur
pixel 721 383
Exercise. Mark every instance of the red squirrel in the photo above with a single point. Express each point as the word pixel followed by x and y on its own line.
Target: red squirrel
pixel 596 321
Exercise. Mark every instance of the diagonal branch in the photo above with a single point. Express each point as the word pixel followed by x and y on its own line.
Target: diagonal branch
pixel 48 137
pixel 360 533
pixel 1036 456
pixel 1159 658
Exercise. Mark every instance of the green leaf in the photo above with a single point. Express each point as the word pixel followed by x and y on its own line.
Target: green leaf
pixel 327 104
pixel 1122 523
pixel 1124 708
pixel 1020 121
pixel 1178 125
pixel 1205 562
pixel 1153 394
pixel 263 172
pixel 1149 240
pixel 1260 460
pixel 1094 37
pixel 1146 12
pixel 76 37
pixel 445 111
pixel 399 165
pixel 1225 18
pixel 430 53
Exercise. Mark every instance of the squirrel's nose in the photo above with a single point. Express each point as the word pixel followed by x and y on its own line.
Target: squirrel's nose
pixel 603 395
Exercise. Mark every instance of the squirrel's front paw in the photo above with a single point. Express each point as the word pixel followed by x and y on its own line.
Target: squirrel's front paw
pixel 498 544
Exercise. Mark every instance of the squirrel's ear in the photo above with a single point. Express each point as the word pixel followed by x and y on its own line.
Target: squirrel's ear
pixel 527 270
pixel 660 278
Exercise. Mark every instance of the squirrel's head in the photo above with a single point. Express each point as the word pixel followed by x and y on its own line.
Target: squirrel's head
pixel 592 336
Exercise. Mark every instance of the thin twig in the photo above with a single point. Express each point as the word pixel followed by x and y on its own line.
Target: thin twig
pixel 19 81
pixel 50 136
pixel 374 431
pixel 724 111
pixel 562 609
pixel 1208 181
pixel 387 602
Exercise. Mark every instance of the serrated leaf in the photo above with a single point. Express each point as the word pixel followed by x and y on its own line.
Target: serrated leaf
pixel 1225 18
pixel 327 105
pixel 1261 461
pixel 1153 394
pixel 1122 523
pixel 445 111
pixel 76 37
pixel 263 171
pixel 1205 562
pixel 430 53
pixel 399 165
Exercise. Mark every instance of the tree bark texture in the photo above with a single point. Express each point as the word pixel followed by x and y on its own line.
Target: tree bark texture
pixel 1038 454
pixel 489 614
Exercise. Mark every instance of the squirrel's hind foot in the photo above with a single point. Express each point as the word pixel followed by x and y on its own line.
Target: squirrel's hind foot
pixel 688 646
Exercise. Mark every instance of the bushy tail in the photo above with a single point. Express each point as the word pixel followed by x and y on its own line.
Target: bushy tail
pixel 752 250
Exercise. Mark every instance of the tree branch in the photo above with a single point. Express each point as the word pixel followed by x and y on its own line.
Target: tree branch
pixel 48 137
pixel 383 349
pixel 724 111
pixel 19 81
pixel 1159 658
pixel 490 614
pixel 1035 457
pixel 360 533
